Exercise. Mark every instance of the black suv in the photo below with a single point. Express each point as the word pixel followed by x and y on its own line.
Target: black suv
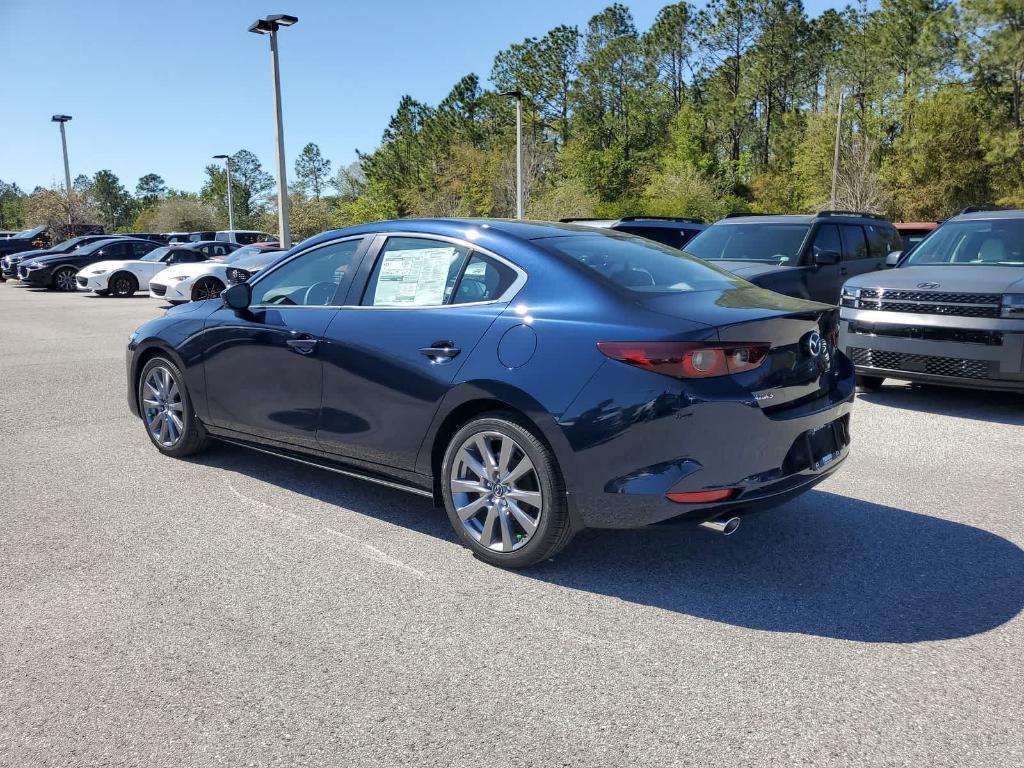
pixel 809 257
pixel 667 230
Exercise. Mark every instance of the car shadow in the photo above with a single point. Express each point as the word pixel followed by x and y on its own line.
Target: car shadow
pixel 996 407
pixel 824 565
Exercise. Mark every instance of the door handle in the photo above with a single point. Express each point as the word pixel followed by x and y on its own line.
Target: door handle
pixel 304 344
pixel 440 351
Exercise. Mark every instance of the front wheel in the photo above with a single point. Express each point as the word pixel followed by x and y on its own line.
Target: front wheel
pixel 207 288
pixel 504 494
pixel 64 279
pixel 167 412
pixel 123 285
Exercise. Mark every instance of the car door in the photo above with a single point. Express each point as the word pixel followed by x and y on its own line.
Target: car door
pixel 413 318
pixel 824 280
pixel 857 256
pixel 263 365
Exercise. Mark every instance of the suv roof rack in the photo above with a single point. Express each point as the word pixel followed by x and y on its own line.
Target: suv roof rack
pixel 571 219
pixel 863 214
pixel 737 214
pixel 681 219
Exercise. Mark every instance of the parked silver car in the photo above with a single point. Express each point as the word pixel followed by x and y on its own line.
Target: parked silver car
pixel 951 313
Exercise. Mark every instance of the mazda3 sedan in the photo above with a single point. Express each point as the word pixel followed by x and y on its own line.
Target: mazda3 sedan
pixel 532 378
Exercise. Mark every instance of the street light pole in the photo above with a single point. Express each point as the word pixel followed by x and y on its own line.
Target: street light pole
pixel 231 207
pixel 520 200
pixel 61 119
pixel 835 152
pixel 269 26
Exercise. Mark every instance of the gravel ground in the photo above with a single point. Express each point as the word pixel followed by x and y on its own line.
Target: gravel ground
pixel 237 610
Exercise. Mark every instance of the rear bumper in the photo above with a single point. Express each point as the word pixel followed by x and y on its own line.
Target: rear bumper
pixel 992 358
pixel 690 439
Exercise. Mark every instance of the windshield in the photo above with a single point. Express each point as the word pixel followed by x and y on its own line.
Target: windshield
pixel 27 234
pixel 157 254
pixel 770 243
pixel 70 245
pixel 638 264
pixel 993 242
pixel 93 246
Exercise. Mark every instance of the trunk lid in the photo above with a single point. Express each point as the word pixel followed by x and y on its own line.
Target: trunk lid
pixel 801 334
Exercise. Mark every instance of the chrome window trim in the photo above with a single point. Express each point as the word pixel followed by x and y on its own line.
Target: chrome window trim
pixel 505 298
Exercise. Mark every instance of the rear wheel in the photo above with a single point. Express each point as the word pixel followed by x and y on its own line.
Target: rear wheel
pixel 504 493
pixel 870 383
pixel 123 284
pixel 166 410
pixel 64 279
pixel 207 288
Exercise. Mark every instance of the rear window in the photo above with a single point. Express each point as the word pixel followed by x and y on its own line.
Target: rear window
pixel 639 265
pixel 771 243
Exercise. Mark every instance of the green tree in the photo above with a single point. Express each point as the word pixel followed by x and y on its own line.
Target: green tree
pixel 312 170
pixel 150 188
pixel 669 45
pixel 113 201
pixel 250 185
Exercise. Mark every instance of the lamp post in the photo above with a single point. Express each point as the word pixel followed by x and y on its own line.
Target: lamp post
pixel 231 207
pixel 269 26
pixel 520 202
pixel 835 153
pixel 61 119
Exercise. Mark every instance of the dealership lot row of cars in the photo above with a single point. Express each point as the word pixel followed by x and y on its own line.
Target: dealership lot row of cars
pixel 535 378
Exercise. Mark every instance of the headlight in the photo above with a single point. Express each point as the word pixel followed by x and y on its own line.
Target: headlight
pixel 179 278
pixel 849 297
pixel 99 272
pixel 1013 305
pixel 36 266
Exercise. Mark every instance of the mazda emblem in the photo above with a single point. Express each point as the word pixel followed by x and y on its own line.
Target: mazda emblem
pixel 812 343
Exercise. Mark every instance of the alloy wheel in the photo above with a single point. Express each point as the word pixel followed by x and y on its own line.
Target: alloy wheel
pixel 122 286
pixel 162 407
pixel 496 491
pixel 65 280
pixel 205 289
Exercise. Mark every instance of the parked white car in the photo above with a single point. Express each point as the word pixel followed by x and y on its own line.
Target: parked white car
pixel 244 236
pixel 126 276
pixel 205 280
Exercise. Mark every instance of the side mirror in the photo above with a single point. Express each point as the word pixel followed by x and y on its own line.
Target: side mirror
pixel 826 257
pixel 238 296
pixel 893 258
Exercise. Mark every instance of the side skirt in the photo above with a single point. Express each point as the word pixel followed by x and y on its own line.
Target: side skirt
pixel 313 461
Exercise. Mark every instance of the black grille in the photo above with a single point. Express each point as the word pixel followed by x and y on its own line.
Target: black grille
pixel 937 366
pixel 82 281
pixel 159 290
pixel 927 333
pixel 931 302
pixel 951 298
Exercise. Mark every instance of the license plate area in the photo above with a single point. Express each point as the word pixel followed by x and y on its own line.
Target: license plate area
pixel 823 446
pixel 819 447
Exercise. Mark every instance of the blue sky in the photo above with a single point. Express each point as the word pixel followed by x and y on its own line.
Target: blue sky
pixel 161 86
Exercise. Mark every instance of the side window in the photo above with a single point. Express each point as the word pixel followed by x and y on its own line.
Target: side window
pixel 247 238
pixel 895 242
pixel 218 250
pixel 878 241
pixel 827 239
pixel 141 249
pixel 484 279
pixel 310 279
pixel 415 272
pixel 118 251
pixel 855 245
pixel 222 236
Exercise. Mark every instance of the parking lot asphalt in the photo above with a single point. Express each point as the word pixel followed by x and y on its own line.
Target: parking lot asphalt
pixel 237 610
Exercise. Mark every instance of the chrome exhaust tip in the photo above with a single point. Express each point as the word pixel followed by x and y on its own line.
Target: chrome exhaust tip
pixel 723 525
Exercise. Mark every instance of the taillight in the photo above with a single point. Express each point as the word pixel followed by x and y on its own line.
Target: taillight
pixel 687 359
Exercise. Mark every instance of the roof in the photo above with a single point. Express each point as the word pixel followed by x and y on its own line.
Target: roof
pixel 902 226
pixel 524 230
pixel 782 218
pixel 993 214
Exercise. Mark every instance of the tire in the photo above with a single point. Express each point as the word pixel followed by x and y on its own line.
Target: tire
pixel 162 384
pixel 207 288
pixel 64 280
pixel 122 285
pixel 869 383
pixel 497 529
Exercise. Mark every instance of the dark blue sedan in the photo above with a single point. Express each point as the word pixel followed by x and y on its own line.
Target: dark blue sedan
pixel 532 378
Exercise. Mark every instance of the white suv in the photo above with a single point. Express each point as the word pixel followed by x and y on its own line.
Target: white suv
pixel 244 236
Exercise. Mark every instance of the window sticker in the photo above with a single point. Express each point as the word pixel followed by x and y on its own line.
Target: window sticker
pixel 414 278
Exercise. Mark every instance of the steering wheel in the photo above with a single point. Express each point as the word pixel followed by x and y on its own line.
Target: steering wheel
pixel 320 294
